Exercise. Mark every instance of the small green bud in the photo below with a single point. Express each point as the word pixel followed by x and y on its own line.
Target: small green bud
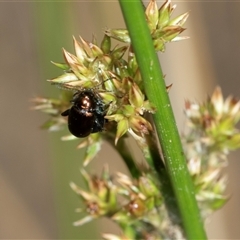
pixel 119 34
pixel 149 107
pixel 147 187
pixel 63 66
pixel 132 64
pixel 118 53
pixel 159 44
pixel 122 128
pixel 136 207
pixel 108 97
pixel 87 48
pixel 106 44
pixel 93 147
pixel 140 124
pixel 179 20
pixel 96 51
pixel 171 32
pixel 76 66
pixel 65 78
pixel 164 14
pixel 136 96
pixel 128 110
pixel 152 14
pixel 80 53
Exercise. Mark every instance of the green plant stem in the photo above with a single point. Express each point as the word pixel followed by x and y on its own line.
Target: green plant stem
pixel 164 119
pixel 125 153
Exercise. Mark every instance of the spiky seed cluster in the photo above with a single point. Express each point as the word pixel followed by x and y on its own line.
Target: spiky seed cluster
pixel 88 68
pixel 212 134
pixel 101 197
pixel 133 203
pixel 217 120
pixel 163 29
pixel 53 107
pixel 92 68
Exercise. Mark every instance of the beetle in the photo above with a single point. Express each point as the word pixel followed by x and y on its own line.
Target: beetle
pixel 87 113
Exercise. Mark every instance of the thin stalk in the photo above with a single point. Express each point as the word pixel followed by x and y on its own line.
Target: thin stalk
pixel 164 119
pixel 125 153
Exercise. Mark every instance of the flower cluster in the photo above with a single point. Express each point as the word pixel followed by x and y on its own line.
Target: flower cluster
pixel 162 27
pixel 212 134
pixel 131 204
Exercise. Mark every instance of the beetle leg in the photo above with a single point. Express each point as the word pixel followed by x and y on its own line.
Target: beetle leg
pixel 65 113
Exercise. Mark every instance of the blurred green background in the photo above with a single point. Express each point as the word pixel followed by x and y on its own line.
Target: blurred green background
pixel 36 167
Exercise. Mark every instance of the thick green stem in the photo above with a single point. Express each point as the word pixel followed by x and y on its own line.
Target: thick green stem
pixel 164 119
